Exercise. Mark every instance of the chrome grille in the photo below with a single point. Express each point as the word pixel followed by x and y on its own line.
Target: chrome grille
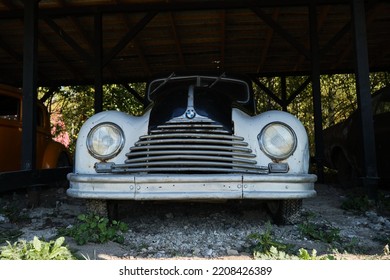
pixel 190 148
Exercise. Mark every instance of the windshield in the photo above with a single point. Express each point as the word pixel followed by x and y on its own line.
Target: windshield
pixel 236 89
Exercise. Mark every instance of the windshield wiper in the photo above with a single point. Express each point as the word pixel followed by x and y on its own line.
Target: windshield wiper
pixel 223 75
pixel 163 83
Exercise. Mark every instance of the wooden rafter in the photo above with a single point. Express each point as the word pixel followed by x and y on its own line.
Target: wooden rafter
pixel 282 32
pixel 268 39
pixel 320 23
pixel 72 70
pixel 223 39
pixel 177 40
pixel 348 50
pixel 68 39
pixel 129 36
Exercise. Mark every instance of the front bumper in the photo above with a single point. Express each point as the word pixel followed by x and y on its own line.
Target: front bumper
pixel 191 187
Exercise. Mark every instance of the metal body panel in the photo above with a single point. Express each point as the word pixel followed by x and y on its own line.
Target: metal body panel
pixel 185 187
pixel 85 182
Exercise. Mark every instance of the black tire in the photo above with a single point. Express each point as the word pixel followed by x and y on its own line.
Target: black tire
pixel 102 208
pixel 97 207
pixel 285 212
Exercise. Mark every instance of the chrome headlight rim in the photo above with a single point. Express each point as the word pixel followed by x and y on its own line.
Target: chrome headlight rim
pixel 115 151
pixel 263 147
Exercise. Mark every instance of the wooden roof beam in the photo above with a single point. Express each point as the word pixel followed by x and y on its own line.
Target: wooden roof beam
pixel 269 92
pixel 268 39
pixel 76 23
pixel 136 44
pixel 129 37
pixel 282 32
pixel 77 75
pixel 177 40
pixel 83 33
pixel 223 39
pixel 137 47
pixel 68 39
pixel 10 51
pixel 371 11
pixel 320 23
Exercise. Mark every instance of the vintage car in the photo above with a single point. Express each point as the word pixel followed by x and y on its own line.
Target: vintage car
pixel 343 150
pixel 200 139
pixel 49 153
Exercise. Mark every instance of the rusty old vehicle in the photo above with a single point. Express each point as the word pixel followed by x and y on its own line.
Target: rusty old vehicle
pixel 49 153
pixel 343 146
pixel 200 139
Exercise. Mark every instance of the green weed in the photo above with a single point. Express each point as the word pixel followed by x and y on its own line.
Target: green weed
pixel 92 228
pixel 265 242
pixel 9 235
pixel 303 254
pixel 357 203
pixel 36 250
pixel 322 232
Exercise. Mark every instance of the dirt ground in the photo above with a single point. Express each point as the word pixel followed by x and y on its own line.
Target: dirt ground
pixel 363 234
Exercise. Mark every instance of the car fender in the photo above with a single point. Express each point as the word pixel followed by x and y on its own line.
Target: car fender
pixel 52 155
pixel 250 126
pixel 133 127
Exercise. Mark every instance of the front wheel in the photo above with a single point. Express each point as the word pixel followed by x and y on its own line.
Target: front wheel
pixel 285 212
pixel 97 207
pixel 102 208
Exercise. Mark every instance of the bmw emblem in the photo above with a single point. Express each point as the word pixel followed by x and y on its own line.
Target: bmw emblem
pixel 190 114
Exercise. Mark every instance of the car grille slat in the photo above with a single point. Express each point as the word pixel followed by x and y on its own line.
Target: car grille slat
pixel 190 148
pixel 193 147
pixel 195 158
pixel 150 152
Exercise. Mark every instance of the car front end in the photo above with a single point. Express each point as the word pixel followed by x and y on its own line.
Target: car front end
pixel 195 142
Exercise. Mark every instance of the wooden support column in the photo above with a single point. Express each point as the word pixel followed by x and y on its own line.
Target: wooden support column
pixel 315 81
pixel 28 155
pixel 98 63
pixel 370 179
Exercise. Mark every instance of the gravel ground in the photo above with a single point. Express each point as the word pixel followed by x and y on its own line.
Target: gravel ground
pixel 205 230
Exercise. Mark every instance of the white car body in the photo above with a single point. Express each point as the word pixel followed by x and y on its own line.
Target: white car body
pixel 277 179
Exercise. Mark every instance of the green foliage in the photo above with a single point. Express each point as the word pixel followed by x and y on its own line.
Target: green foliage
pixel 9 235
pixel 357 203
pixel 274 254
pixel 75 104
pixel 322 232
pixel 265 242
pixel 303 254
pixel 92 228
pixel 386 250
pixel 338 97
pixel 13 212
pixel 36 250
pixel 267 248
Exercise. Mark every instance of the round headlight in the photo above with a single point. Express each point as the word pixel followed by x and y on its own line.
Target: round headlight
pixel 105 141
pixel 277 140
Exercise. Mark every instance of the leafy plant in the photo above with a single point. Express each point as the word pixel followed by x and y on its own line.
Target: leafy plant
pixel 9 235
pixel 265 242
pixel 36 250
pixel 92 228
pixel 322 232
pixel 14 213
pixel 357 203
pixel 303 254
pixel 273 254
